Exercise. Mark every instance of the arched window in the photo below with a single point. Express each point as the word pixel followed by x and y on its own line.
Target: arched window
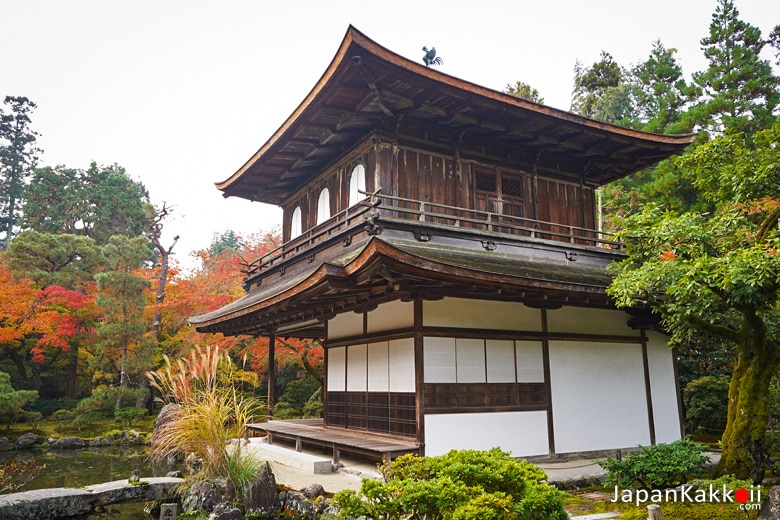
pixel 357 181
pixel 296 227
pixel 323 206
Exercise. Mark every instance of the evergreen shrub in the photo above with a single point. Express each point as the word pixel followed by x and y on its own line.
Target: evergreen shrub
pixel 653 467
pixel 459 485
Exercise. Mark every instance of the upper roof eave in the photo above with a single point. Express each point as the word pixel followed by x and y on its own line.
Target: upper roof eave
pixel 342 59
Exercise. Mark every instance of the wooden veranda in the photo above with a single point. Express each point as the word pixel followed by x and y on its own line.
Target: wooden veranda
pixel 312 432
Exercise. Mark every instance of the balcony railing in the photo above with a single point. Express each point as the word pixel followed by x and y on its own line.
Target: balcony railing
pixel 377 207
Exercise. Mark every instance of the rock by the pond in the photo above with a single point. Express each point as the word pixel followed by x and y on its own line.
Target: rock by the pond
pixel 313 491
pixel 205 495
pixel 770 507
pixel 28 439
pixel 69 443
pixel 261 494
pixel 226 511
pixel 297 505
pixel 5 444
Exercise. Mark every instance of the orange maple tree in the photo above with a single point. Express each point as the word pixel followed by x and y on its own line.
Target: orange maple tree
pixel 217 283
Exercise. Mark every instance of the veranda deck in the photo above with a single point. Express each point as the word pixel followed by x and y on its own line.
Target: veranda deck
pixel 313 432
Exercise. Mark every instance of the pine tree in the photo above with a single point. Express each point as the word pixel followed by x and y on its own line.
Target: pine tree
pixel 739 92
pixel 18 155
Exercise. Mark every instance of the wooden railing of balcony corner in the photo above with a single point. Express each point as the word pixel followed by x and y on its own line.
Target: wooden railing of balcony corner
pixel 381 206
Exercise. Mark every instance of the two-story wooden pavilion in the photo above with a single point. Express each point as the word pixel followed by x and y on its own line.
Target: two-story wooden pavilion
pixel 463 304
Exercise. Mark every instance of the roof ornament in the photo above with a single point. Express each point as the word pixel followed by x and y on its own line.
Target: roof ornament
pixel 430 57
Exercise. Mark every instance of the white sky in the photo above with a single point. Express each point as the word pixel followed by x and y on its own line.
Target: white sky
pixel 182 93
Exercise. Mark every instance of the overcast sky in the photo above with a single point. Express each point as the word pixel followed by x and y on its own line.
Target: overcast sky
pixel 182 93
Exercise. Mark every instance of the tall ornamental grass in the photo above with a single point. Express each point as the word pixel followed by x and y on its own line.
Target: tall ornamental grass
pixel 209 408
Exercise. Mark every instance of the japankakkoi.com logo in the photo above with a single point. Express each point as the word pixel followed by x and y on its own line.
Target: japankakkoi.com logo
pixel 747 498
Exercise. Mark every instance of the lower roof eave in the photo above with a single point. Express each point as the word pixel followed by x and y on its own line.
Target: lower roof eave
pixel 389 270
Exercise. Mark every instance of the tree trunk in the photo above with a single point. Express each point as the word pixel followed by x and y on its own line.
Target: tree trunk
pixel 160 296
pixel 35 380
pixel 18 362
pixel 744 450
pixel 73 366
pixel 123 379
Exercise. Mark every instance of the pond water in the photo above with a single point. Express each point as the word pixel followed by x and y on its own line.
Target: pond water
pixel 76 468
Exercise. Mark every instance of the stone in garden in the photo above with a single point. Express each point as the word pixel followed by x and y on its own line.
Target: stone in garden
pixel 69 443
pixel 27 440
pixel 297 506
pixel 313 491
pixel 770 507
pixel 261 494
pixel 226 511
pixel 205 495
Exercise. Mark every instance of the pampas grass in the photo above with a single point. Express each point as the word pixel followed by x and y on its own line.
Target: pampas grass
pixel 209 410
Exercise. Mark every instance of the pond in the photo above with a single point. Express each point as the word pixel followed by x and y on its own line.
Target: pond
pixel 76 468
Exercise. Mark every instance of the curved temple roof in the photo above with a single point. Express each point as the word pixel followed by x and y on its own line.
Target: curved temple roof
pixel 367 88
pixel 360 275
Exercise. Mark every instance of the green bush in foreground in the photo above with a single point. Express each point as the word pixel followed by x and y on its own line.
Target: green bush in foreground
pixel 660 466
pixel 460 485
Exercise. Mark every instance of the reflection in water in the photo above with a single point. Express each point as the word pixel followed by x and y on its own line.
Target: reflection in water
pixel 77 468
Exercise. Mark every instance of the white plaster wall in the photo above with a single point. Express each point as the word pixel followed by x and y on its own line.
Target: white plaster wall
pixel 598 396
pixel 439 360
pixel 378 368
pixel 470 360
pixel 500 361
pixel 530 362
pixel 589 321
pixel 401 365
pixel 663 388
pixel 480 314
pixel 357 369
pixel 521 433
pixel 391 316
pixel 345 325
pixel 337 369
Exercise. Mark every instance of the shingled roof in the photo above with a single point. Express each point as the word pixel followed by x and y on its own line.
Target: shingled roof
pixel 367 88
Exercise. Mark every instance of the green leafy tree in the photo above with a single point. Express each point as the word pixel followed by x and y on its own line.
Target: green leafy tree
pixel 660 98
pixel 99 202
pixel 774 41
pixel 122 297
pixel 12 401
pixel 719 274
pixel 524 91
pixel 706 404
pixel 739 91
pixel 18 155
pixel 601 92
pixel 662 93
pixel 226 242
pixel 53 259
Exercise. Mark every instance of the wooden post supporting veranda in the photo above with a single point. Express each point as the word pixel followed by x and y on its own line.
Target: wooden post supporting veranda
pixel 654 512
pixel 271 373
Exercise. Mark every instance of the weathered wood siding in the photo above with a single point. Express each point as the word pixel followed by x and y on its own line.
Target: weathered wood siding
pixel 406 171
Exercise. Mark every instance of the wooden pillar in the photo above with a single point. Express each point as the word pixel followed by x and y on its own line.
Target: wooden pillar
pixel 648 389
pixel 271 373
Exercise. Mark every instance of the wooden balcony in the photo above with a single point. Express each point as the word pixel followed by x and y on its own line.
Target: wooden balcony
pixel 378 209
